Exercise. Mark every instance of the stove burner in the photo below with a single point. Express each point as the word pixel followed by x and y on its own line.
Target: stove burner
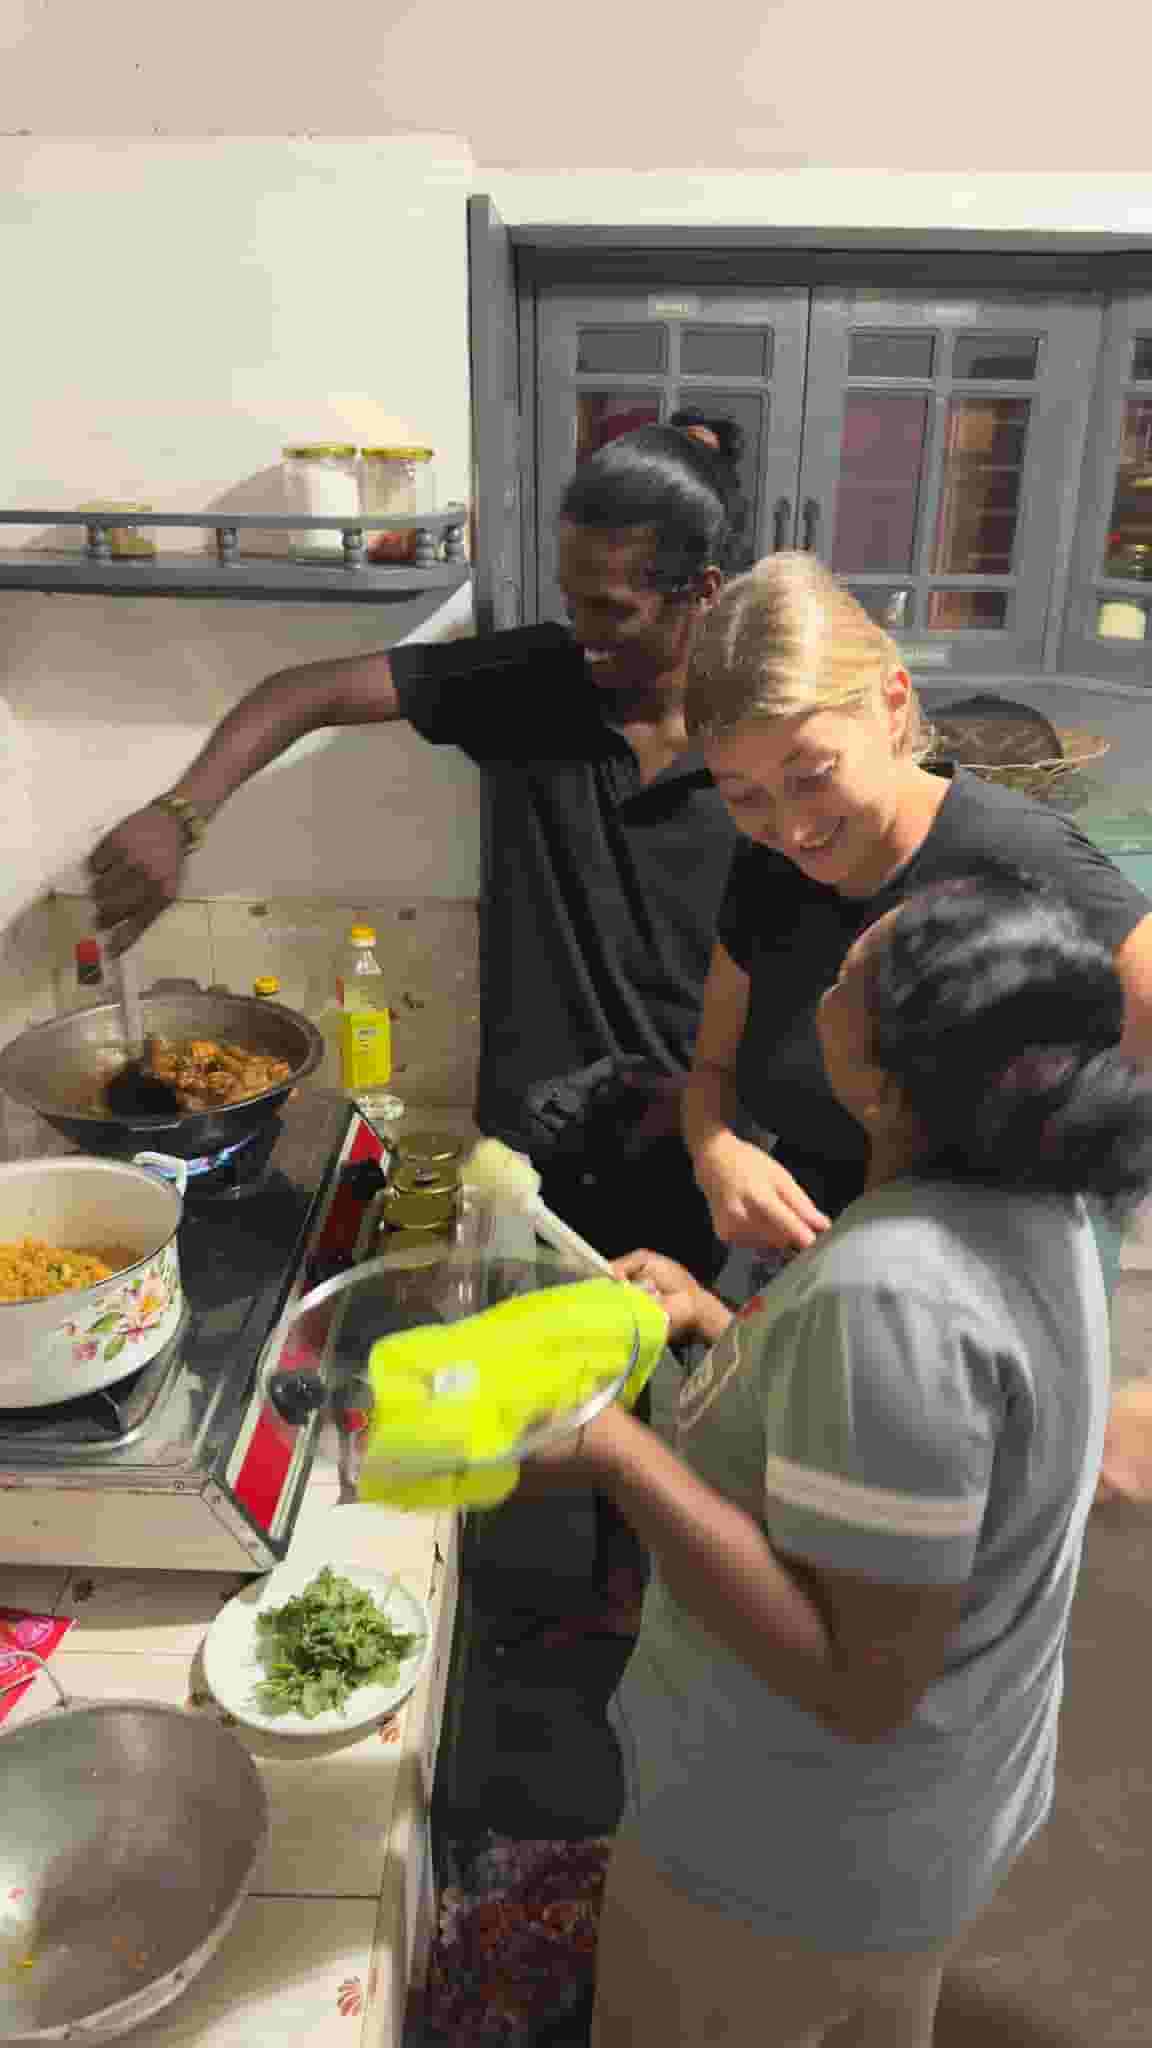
pixel 104 1417
pixel 212 1161
pixel 241 1169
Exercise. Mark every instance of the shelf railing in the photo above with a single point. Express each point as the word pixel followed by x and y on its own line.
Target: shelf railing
pixel 438 560
pixel 433 530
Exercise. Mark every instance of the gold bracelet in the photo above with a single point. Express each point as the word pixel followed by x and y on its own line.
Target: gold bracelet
pixel 192 822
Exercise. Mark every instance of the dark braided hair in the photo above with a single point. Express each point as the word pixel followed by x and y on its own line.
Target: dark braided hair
pixel 999 1018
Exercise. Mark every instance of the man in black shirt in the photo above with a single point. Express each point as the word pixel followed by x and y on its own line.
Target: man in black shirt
pixel 606 846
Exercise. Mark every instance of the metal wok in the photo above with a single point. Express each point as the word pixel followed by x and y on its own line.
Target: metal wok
pixel 59 1069
pixel 130 1836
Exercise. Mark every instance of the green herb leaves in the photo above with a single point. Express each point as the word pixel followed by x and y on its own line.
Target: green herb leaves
pixel 323 1645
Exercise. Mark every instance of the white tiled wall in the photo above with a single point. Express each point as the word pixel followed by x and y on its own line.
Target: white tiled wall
pixel 28 963
pixel 427 947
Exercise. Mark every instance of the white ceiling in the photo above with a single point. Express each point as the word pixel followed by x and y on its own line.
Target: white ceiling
pixel 995 85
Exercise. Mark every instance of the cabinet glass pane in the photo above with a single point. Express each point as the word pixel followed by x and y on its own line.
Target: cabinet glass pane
pixel 1142 358
pixel 881 471
pixel 1121 618
pixel 1128 545
pixel 873 354
pixel 603 416
pixel 967 611
pixel 888 604
pixel 1012 358
pixel 633 350
pixel 983 466
pixel 726 352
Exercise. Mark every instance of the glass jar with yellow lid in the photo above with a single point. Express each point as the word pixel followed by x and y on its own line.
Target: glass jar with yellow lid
pixel 122 537
pixel 421 1197
pixel 424 1189
pixel 395 483
pixel 321 482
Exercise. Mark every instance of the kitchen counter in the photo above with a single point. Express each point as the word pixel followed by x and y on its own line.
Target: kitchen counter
pixel 338 1922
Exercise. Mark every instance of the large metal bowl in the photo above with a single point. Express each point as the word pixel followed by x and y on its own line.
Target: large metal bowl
pixel 130 1836
pixel 59 1068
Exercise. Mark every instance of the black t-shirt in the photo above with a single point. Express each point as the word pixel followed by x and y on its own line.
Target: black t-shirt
pixel 790 935
pixel 600 895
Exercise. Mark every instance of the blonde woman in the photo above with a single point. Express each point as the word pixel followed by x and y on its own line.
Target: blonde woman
pixel 812 731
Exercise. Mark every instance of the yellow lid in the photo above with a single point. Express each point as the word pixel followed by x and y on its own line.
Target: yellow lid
pixel 115 505
pixel 362 935
pixel 267 985
pixel 398 454
pixel 429 1148
pixel 319 451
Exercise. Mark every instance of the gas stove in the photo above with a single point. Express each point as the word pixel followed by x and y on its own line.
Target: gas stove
pixel 185 1465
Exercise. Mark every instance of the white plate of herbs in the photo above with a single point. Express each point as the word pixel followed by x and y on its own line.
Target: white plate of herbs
pixel 316 1650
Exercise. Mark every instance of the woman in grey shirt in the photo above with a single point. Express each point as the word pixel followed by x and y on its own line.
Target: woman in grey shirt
pixel 839 1725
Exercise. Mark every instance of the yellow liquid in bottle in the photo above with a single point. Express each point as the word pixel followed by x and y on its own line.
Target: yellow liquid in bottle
pixel 365 1050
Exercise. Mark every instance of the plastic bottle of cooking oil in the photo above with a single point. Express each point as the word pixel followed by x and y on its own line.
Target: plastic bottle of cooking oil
pixel 365 1027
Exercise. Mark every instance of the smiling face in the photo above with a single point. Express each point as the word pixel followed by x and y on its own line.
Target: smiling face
pixel 825 788
pixel 636 639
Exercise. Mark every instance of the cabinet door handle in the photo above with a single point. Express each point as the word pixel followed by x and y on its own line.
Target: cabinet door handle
pixel 781 521
pixel 811 518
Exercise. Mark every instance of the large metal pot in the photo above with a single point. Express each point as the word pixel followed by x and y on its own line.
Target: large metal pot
pixel 65 1345
pixel 59 1068
pixel 131 1834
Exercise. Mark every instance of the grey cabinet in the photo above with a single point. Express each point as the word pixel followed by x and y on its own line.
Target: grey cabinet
pixel 494 352
pixel 942 443
pixel 1109 613
pixel 612 361
pixel 928 448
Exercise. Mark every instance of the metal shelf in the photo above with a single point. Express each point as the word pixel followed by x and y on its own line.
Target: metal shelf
pixel 348 578
pixel 173 575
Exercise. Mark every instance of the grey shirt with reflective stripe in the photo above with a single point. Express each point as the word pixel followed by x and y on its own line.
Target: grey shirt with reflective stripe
pixel 920 1399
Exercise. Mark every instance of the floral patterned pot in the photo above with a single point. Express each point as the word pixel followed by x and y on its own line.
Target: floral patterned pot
pixel 65 1345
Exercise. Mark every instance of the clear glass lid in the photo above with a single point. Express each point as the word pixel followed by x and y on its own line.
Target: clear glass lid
pixel 446 1359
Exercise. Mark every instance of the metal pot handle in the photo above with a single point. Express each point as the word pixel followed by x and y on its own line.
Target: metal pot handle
pixel 13 1685
pixel 162 1166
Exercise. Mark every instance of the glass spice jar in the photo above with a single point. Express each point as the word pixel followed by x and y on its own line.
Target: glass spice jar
pixel 125 539
pixel 321 482
pixel 421 1195
pixel 395 483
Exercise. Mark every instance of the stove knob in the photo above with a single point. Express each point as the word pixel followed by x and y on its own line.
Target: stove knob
pixel 364 1179
pixel 325 1266
pixel 296 1395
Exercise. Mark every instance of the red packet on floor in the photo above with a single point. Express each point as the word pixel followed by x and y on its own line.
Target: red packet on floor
pixel 20 1631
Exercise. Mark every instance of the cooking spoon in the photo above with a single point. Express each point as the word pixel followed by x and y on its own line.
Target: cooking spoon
pixel 133 1091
